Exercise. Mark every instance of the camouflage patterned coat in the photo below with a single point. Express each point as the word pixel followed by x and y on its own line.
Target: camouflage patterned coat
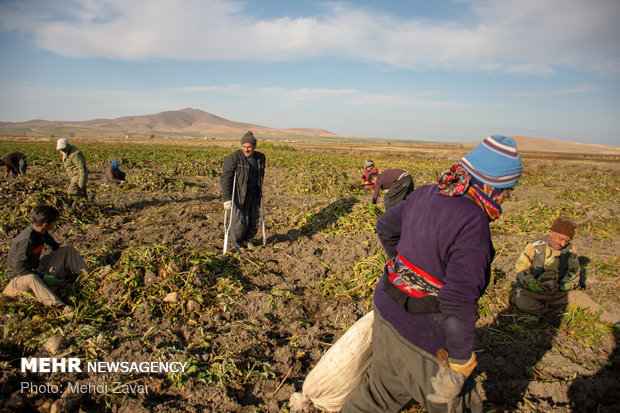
pixel 542 268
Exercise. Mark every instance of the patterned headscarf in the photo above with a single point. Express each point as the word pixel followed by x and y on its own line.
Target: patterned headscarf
pixel 454 181
pixel 487 198
pixel 457 181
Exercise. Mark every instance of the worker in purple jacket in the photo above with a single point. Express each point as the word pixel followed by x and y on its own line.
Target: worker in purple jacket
pixel 439 247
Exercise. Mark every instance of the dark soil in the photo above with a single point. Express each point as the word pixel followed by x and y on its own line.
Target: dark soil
pixel 266 339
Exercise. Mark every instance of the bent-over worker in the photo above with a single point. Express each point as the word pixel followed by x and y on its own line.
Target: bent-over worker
pixel 398 182
pixel 439 247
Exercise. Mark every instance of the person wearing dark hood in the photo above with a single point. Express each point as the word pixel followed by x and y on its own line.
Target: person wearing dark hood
pixel 75 164
pixel 438 243
pixel 16 164
pixel 113 176
pixel 245 169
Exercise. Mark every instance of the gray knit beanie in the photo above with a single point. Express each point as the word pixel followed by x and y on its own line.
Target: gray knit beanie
pixel 248 138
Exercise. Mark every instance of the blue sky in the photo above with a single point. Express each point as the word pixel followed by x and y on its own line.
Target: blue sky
pixel 448 70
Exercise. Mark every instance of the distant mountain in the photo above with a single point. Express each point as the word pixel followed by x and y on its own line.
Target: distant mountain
pixel 196 123
pixel 191 122
pixel 530 144
pixel 186 120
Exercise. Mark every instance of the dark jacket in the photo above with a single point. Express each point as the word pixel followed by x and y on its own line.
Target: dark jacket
pixel 449 238
pixel 25 252
pixel 236 163
pixel 113 177
pixel 11 162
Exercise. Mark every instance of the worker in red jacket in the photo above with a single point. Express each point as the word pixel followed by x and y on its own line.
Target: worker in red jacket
pixel 370 171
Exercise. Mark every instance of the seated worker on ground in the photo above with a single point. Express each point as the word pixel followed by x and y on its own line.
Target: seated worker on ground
pixel 113 176
pixel 28 271
pixel 548 274
pixel 15 163
pixel 399 183
pixel 369 169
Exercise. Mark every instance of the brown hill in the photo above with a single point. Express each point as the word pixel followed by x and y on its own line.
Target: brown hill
pixel 196 123
pixel 530 144
pixel 186 120
pixel 191 122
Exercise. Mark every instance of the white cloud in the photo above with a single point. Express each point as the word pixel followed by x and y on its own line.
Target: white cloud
pixel 234 88
pixel 585 88
pixel 36 102
pixel 402 101
pixel 351 97
pixel 526 36
pixel 307 94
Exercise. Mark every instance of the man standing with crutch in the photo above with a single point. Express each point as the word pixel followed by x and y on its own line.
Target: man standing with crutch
pixel 242 188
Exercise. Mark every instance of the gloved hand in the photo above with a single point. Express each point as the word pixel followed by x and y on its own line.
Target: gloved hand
pixel 447 384
pixel 449 380
pixel 50 280
pixel 227 205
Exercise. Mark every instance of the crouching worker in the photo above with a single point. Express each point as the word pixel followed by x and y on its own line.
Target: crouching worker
pixel 16 164
pixel 28 271
pixel 439 245
pixel 398 182
pixel 548 274
pixel 370 171
pixel 113 176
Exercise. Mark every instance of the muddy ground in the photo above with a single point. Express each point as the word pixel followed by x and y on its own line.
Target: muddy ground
pixel 254 347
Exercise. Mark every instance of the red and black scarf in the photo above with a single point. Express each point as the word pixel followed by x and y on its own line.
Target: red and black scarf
pixel 456 181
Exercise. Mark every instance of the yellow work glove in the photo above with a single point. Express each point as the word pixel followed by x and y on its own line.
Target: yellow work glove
pixel 467 368
pixel 449 380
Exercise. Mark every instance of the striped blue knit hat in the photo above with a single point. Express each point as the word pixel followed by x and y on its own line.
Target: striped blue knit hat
pixel 495 162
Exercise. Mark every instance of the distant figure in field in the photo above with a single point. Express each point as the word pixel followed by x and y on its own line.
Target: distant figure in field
pixel 28 271
pixel 399 183
pixel 75 164
pixel 548 274
pixel 245 169
pixel 370 170
pixel 113 176
pixel 15 163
